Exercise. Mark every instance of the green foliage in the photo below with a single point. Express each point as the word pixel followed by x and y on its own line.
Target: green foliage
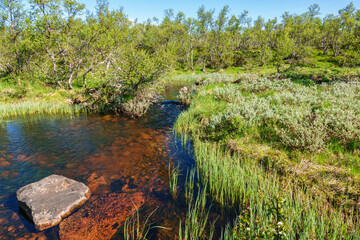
pixel 174 173
pixel 277 150
pixel 197 216
pixel 20 92
pixel 134 230
pixel 56 43
pixel 303 117
pixel 53 41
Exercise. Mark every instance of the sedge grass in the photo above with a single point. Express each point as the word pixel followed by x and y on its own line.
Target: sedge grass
pixel 189 185
pixel 235 181
pixel 197 217
pixel 134 230
pixel 11 110
pixel 174 172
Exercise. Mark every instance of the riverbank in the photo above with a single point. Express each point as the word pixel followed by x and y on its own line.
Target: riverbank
pixel 21 98
pixel 285 154
pixel 24 99
pixel 36 98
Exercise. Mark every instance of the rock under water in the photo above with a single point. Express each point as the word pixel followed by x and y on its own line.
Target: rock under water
pixel 101 218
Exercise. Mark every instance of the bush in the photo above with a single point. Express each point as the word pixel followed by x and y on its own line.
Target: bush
pixel 20 92
pixel 306 118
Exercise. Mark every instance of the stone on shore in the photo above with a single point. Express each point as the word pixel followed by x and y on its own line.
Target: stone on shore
pixel 49 200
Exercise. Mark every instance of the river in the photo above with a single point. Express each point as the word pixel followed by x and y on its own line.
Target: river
pixel 120 159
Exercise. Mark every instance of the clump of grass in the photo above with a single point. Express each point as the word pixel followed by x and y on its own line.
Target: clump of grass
pixel 9 110
pixel 185 96
pixel 197 217
pixel 189 185
pixel 174 173
pixel 133 230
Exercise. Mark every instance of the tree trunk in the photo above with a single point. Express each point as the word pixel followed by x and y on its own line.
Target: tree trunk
pixel 84 77
pixel 53 60
pixel 70 81
pixel 204 63
pixel 191 54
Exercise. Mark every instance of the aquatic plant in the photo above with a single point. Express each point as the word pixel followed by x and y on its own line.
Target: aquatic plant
pixel 174 173
pixel 196 221
pixel 189 185
pixel 133 230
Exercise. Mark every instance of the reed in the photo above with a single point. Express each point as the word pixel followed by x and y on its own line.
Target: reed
pixel 174 172
pixel 269 207
pixel 134 230
pixel 196 222
pixel 10 110
pixel 189 185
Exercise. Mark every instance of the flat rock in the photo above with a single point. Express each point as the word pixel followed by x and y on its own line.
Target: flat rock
pixel 101 218
pixel 49 200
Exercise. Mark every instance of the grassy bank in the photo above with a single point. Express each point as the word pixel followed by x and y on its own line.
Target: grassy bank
pixel 24 98
pixel 31 98
pixel 285 154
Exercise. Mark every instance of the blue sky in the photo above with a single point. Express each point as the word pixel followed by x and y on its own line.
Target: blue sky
pixel 144 9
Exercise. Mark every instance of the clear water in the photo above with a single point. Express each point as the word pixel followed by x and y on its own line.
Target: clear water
pixel 111 154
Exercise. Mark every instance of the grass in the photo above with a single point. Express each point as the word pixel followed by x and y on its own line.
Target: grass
pixel 189 185
pixel 265 199
pixel 134 230
pixel 28 108
pixel 319 67
pixel 22 98
pixel 196 222
pixel 252 155
pixel 174 173
pixel 32 98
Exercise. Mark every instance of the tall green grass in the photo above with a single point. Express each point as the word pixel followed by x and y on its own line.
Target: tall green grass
pixel 189 185
pixel 267 202
pixel 10 110
pixel 174 172
pixel 196 222
pixel 135 230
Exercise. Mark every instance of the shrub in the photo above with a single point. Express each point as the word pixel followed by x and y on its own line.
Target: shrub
pixel 302 117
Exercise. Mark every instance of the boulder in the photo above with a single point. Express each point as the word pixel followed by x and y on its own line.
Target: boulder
pixel 49 200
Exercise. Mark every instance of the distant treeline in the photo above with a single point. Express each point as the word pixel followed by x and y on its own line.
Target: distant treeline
pixel 58 41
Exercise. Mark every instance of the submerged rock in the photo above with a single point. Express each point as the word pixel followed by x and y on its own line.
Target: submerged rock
pixel 101 218
pixel 49 200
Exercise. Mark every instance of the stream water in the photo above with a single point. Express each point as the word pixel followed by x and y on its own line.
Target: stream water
pixel 121 160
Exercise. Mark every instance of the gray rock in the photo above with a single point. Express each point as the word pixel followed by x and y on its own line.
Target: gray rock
pixel 51 199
